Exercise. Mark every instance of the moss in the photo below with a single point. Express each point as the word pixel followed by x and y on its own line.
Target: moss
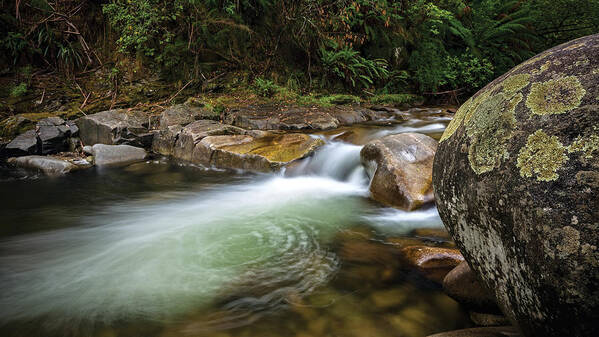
pixel 542 156
pixel 555 96
pixel 513 84
pixel 490 130
pixel 586 144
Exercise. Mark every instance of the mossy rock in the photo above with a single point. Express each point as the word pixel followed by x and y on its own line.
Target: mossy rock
pixel 516 180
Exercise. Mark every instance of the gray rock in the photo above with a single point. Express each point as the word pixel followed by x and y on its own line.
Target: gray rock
pixel 73 127
pixel 24 144
pixel 464 286
pixel 184 114
pixel 114 127
pixel 164 140
pixel 110 155
pixel 51 121
pixel 400 167
pixel 52 138
pixel 48 165
pixel 517 183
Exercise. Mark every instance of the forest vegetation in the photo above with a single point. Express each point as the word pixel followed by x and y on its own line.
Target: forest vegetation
pixel 382 49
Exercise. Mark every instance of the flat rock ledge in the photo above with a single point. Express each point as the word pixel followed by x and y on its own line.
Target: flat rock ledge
pixel 49 165
pixel 213 144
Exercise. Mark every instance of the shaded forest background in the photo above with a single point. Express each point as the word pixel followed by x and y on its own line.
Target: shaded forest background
pixel 364 47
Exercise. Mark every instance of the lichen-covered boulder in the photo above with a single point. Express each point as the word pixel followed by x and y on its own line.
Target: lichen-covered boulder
pixel 516 179
pixel 400 167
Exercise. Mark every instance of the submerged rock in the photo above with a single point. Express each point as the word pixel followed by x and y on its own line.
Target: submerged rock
pixel 114 127
pixel 517 183
pixel 464 286
pixel 501 331
pixel 486 319
pixel 400 167
pixel 433 262
pixel 48 165
pixel 105 155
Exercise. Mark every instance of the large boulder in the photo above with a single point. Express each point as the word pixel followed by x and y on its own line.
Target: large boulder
pixel 111 155
pixel 263 154
pixel 516 179
pixel 115 127
pixel 400 167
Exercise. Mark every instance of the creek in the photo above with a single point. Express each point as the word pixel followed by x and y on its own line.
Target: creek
pixel 163 248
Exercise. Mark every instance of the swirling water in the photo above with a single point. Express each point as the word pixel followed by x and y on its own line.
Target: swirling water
pixel 156 241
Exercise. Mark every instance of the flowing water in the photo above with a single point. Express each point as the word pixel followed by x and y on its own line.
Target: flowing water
pixel 168 249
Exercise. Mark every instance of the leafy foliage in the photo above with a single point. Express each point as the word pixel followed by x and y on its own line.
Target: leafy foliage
pixel 374 46
pixel 264 88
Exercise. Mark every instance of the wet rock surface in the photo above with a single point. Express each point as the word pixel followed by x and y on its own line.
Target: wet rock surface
pixel 264 154
pixel 110 155
pixel 433 262
pixel 464 286
pixel 516 184
pixel 400 167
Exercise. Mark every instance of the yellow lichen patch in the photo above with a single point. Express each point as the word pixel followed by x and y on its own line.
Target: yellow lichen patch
pixel 542 156
pixel 490 129
pixel 556 96
pixel 574 46
pixel 585 144
pixel 513 84
pixel 457 120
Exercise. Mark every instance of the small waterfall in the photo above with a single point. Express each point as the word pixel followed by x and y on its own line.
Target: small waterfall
pixel 336 160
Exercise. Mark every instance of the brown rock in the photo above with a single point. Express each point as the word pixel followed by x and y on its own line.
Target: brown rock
pixel 401 169
pixel 433 262
pixel 440 234
pixel 502 331
pixel 484 319
pixel 193 133
pixel 245 152
pixel 463 285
